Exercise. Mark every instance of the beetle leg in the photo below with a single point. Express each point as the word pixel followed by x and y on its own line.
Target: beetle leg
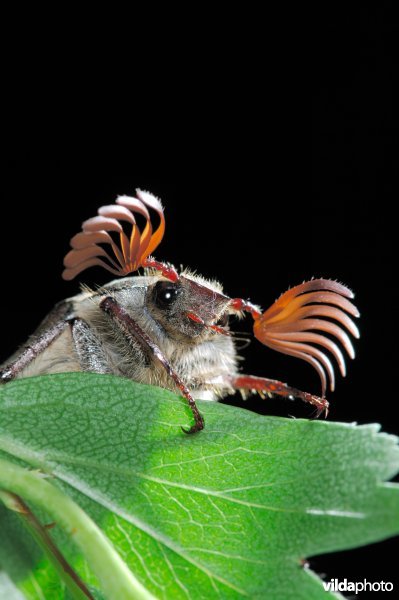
pixel 133 332
pixel 48 331
pixel 271 386
pixel 88 348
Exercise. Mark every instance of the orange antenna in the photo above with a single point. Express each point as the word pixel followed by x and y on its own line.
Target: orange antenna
pixel 288 325
pixel 133 250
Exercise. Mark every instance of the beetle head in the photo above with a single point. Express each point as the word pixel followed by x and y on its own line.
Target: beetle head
pixel 188 308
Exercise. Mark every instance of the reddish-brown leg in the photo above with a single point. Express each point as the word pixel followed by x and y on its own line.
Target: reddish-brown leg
pixel 131 329
pixel 50 329
pixel 12 370
pixel 271 386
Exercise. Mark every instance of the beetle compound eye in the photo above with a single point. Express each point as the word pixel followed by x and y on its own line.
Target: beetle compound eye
pixel 165 294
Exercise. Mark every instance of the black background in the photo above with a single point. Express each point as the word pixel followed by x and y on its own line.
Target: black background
pixel 276 160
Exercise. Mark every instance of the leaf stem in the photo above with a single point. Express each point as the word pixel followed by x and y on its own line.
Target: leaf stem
pixel 117 581
pixel 74 583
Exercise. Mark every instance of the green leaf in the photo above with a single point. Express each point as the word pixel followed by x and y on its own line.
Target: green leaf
pixel 230 512
pixel 8 591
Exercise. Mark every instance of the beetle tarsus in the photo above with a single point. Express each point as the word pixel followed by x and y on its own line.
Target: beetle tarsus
pixel 324 407
pixel 271 386
pixel 199 422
